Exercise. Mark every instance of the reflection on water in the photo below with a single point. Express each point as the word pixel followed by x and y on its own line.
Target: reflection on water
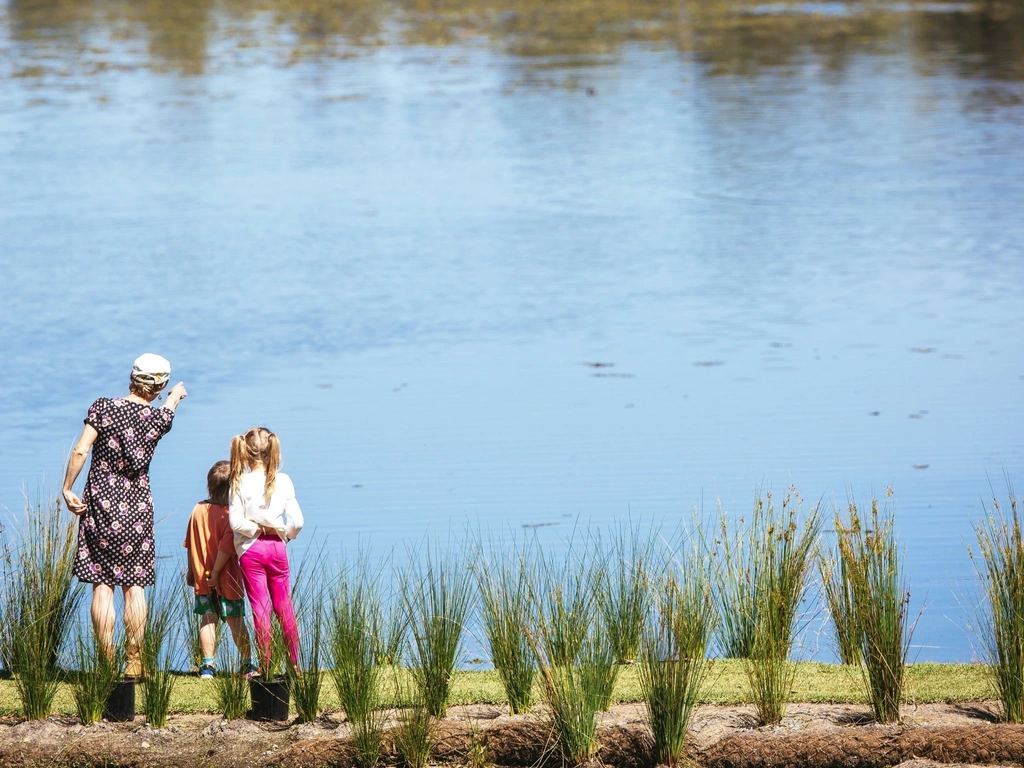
pixel 74 37
pixel 523 263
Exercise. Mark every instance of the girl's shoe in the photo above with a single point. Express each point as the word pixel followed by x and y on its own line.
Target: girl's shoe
pixel 207 671
pixel 250 670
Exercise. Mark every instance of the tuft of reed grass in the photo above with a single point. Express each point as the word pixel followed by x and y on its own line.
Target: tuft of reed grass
pixel 230 684
pixel 368 730
pixel 353 637
pixel 762 582
pixel 414 734
pixel 769 672
pixel 271 659
pixel 395 623
pixel 476 753
pixel 564 594
pixel 97 673
pixel 1000 565
pixel 306 681
pixel 624 595
pixel 575 693
pixel 871 557
pixel 160 644
pixel 838 591
pixel 39 601
pixel 437 594
pixel 193 623
pixel 673 663
pixel 503 580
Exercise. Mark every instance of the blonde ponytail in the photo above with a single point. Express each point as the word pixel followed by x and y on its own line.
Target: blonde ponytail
pixel 239 461
pixel 271 463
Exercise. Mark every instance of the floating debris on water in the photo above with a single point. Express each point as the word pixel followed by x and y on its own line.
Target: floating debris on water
pixel 612 375
pixel 538 525
pixel 709 363
pixel 920 466
pixel 924 350
pixel 780 345
pixel 598 364
pixel 874 413
pixel 325 386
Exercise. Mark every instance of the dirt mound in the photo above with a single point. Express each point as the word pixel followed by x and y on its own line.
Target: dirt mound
pixel 869 747
pixel 811 736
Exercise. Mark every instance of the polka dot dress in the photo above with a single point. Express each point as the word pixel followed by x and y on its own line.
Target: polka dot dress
pixel 115 534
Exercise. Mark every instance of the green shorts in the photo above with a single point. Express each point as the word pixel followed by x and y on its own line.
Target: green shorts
pixel 230 607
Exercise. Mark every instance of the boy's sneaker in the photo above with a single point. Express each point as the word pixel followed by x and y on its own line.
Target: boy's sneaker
pixel 250 670
pixel 207 671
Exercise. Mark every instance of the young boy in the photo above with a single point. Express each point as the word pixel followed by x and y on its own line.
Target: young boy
pixel 211 549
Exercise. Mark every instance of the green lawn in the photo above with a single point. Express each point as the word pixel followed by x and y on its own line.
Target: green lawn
pixel 814 683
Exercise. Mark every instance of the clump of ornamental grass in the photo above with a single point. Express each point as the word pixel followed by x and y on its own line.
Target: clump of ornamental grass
pixel 437 593
pixel 1000 564
pixel 395 623
pixel 39 600
pixel 98 672
pixel 368 727
pixel 871 557
pixel 305 681
pixel 503 579
pixel 564 594
pixel 838 591
pixel 270 657
pixel 160 646
pixel 414 733
pixel 770 674
pixel 193 623
pixel 763 577
pixel 231 683
pixel 624 595
pixel 368 737
pixel 673 663
pixel 576 692
pixel 353 637
pixel 476 752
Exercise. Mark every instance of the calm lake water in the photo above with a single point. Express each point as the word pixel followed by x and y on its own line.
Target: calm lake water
pixel 403 235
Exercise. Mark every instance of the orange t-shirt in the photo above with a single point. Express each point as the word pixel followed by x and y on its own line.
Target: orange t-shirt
pixel 209 533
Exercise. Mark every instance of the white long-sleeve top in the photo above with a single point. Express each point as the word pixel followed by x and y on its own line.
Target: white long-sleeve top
pixel 249 509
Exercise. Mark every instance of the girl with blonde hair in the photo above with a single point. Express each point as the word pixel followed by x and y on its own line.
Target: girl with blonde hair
pixel 264 516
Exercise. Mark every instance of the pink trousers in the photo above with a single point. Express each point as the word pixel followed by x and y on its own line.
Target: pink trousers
pixel 265 573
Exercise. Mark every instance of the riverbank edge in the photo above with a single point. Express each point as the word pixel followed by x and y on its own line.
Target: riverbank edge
pixel 811 735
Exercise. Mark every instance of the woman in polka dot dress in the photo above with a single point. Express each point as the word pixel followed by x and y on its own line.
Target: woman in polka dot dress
pixel 115 529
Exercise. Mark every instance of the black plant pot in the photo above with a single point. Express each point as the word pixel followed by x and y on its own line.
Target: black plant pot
pixel 120 706
pixel 269 699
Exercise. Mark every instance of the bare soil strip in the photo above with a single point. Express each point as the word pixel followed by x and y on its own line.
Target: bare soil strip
pixel 812 735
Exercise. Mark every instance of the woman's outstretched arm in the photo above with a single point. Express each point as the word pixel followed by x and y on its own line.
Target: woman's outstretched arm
pixel 75 463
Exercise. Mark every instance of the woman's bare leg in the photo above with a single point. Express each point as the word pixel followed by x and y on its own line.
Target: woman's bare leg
pixel 102 611
pixel 135 627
